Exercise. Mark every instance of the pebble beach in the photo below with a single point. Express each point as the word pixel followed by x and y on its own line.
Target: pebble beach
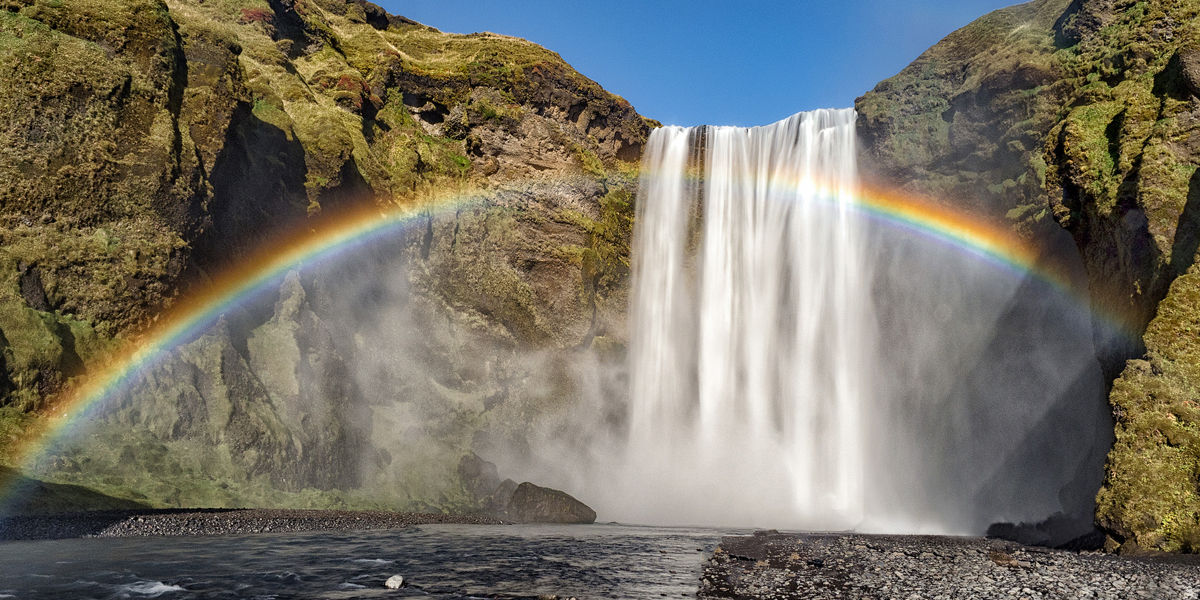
pixel 176 522
pixel 772 565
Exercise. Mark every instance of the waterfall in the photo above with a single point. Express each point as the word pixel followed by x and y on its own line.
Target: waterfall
pixel 752 343
pixel 796 364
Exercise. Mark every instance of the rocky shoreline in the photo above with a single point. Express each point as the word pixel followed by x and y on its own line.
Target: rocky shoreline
pixel 784 565
pixel 213 521
pixel 765 565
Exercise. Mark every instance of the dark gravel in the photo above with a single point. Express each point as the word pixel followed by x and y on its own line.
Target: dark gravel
pixel 771 565
pixel 175 522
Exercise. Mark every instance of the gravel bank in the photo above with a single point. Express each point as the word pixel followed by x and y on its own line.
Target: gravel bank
pixel 773 565
pixel 167 522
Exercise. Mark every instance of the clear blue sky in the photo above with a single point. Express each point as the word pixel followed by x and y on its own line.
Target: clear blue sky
pixel 720 63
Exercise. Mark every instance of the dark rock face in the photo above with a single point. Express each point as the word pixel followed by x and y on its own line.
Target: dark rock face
pixel 1058 531
pixel 31 288
pixel 496 503
pixel 534 504
pixel 524 503
pixel 1189 62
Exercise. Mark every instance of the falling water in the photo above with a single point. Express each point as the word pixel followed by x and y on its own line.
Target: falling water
pixel 752 316
pixel 794 364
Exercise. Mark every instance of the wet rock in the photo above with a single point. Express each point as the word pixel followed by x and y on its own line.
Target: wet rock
pixel 1057 531
pixel 394 582
pixel 535 504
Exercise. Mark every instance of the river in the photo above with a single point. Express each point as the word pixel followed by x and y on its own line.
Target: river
pixel 437 561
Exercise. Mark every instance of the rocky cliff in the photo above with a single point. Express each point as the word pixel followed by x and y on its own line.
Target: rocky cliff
pixel 1082 115
pixel 151 143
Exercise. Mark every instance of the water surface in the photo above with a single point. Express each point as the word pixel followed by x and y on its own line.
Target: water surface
pixel 440 561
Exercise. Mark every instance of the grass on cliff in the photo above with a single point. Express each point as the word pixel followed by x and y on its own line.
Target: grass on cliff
pixel 94 272
pixel 926 120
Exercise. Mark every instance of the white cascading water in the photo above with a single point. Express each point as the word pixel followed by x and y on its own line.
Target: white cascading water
pixel 752 346
pixel 794 364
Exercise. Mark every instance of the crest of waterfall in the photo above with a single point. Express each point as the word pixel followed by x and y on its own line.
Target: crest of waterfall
pixel 752 320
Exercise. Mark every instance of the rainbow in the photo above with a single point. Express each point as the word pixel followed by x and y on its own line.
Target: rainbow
pixel 325 238
pixel 331 237
pixel 989 241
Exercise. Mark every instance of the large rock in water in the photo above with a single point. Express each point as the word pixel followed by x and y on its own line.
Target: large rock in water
pixel 535 504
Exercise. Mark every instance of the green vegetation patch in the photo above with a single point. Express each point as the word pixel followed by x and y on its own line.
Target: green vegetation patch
pixel 1149 497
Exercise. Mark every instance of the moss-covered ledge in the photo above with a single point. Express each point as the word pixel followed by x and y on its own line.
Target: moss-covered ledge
pixel 1149 500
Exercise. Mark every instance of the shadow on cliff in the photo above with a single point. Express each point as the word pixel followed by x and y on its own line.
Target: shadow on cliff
pixel 32 496
pixel 258 187
pixel 1187 232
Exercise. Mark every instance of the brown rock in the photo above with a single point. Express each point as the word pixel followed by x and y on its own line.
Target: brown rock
pixel 535 504
pixel 1190 61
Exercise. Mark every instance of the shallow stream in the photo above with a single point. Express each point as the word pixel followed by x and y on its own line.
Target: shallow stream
pixel 437 561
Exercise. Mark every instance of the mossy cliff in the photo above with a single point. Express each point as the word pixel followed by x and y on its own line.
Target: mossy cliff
pixel 152 143
pixel 1082 115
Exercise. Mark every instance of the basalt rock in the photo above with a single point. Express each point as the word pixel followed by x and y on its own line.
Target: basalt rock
pixel 497 502
pixel 479 476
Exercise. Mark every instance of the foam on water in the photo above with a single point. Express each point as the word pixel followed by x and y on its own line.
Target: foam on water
pixel 149 589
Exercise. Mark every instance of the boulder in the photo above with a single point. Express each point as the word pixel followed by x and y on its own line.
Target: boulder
pixel 535 504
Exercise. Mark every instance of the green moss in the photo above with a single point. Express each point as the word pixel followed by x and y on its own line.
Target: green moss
pixel 40 497
pixel 15 427
pixel 123 198
pixel 135 466
pixel 1149 495
pixel 591 164
pixel 604 262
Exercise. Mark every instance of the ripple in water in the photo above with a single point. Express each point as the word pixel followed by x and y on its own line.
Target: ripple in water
pixel 438 561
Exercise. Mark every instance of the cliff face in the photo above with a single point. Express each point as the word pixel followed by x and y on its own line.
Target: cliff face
pixel 152 143
pixel 1082 115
